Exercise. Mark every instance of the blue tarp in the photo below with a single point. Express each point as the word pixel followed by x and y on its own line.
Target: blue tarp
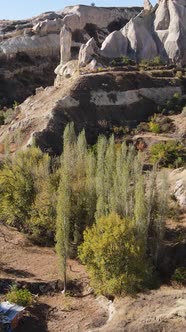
pixel 8 311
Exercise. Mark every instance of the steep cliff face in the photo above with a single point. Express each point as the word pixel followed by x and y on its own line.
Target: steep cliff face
pixel 96 102
pixel 30 49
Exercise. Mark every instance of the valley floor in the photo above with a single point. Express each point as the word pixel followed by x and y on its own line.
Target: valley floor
pixel 158 310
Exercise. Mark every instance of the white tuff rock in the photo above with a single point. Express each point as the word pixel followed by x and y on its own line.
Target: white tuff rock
pixel 65 42
pixel 114 45
pixel 154 31
pixel 87 52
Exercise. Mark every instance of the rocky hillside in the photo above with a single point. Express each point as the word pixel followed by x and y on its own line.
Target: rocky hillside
pixel 97 102
pixel 95 98
pixel 29 49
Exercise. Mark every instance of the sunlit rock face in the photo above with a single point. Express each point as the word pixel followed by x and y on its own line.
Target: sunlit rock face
pixel 30 49
pixel 158 31
pixel 170 27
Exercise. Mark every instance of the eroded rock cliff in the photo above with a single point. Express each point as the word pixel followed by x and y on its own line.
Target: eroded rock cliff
pixel 155 31
pixel 94 101
pixel 30 49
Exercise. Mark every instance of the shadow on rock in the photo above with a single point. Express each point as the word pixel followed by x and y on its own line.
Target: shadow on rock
pixel 35 319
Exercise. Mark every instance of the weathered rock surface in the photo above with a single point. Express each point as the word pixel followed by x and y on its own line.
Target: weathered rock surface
pixel 96 102
pixel 139 34
pixel 30 49
pixel 160 310
pixel 65 44
pixel 178 180
pixel 77 17
pixel 154 31
pixel 87 51
pixel 114 45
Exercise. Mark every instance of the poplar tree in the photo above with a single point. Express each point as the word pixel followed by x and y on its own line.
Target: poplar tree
pixel 109 174
pixel 127 180
pixel 101 206
pixel 64 199
pixel 90 191
pixel 79 187
pixel 63 224
pixel 140 214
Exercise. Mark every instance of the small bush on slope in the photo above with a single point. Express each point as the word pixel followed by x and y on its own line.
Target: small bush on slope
pixel 168 154
pixel 21 297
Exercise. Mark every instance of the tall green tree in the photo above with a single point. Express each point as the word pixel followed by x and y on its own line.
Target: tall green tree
pixel 63 225
pixel 140 210
pixel 101 206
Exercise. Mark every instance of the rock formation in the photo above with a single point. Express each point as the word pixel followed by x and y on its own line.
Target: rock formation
pixel 171 28
pixel 87 51
pixel 94 101
pixel 139 35
pixel 178 186
pixel 30 49
pixel 147 5
pixel 158 31
pixel 114 45
pixel 65 44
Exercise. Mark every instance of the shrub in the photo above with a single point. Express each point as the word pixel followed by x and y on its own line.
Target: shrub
pixel 179 74
pixel 157 61
pixel 143 126
pixel 99 69
pixel 171 154
pixel 20 296
pixel 154 127
pixel 2 118
pixel 120 130
pixel 144 62
pixel 180 275
pixel 123 60
pixel 127 61
pixel 9 115
pixel 115 256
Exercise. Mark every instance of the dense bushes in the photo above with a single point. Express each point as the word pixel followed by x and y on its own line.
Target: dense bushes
pixel 168 154
pixel 27 196
pixel 115 256
pixel 155 62
pixel 96 183
pixel 105 183
pixel 123 61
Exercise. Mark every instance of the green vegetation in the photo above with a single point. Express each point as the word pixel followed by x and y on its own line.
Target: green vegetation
pixel 19 296
pixel 27 194
pixel 172 106
pixel 8 114
pixel 70 200
pixel 179 74
pixel 180 275
pixel 154 127
pixel 115 256
pixel 155 62
pixel 158 123
pixel 123 61
pixel 168 154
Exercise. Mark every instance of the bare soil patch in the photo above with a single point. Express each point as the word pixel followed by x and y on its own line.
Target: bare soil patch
pixel 21 260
